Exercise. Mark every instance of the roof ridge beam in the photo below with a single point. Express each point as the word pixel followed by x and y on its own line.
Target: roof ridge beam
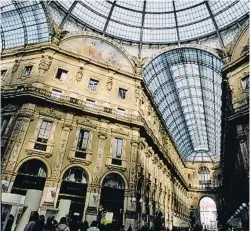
pixel 215 24
pixel 108 18
pixel 142 25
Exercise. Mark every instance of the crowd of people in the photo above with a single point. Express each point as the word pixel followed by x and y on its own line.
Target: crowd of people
pixel 37 223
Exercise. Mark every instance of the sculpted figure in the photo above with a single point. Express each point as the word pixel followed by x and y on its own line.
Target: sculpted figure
pixel 44 64
pixel 138 64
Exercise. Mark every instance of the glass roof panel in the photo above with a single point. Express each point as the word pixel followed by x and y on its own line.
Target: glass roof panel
pixel 190 19
pixel 186 92
pixel 23 23
pixel 159 6
pixel 127 16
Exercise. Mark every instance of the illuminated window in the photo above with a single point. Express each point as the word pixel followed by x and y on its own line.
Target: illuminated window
pixel 27 71
pixel 56 94
pixel 204 177
pixel 90 103
pixel 82 144
pixel 43 135
pixel 93 84
pixel 3 73
pixel 4 124
pixel 120 111
pixel 245 82
pixel 62 74
pixel 122 93
pixel 117 151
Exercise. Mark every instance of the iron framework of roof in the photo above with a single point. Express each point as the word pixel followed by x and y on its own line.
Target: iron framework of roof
pixel 185 84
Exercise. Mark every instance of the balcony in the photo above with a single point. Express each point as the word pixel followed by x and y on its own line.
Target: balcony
pixel 66 99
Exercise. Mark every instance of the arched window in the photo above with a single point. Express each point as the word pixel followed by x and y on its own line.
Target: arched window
pixel 204 177
pixel 113 181
pixel 76 174
pixel 208 213
pixel 33 168
pixel 31 175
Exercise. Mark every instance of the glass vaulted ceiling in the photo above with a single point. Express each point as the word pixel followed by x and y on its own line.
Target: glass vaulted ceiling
pixel 155 22
pixel 23 23
pixel 185 84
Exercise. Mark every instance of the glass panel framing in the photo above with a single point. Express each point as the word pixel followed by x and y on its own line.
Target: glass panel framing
pixel 186 86
pixel 124 19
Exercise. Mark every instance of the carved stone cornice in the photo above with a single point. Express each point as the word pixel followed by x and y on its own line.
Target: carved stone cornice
pixel 9 108
pixel 119 131
pixel 75 160
pixel 116 168
pixel 51 113
pixel 38 153
pixel 86 122
pixel 26 114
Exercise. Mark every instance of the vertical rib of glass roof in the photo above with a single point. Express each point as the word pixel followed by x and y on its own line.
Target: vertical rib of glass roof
pixel 23 23
pixel 186 87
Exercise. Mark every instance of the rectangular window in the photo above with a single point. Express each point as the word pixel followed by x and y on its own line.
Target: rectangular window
pixel 120 112
pixel 82 144
pixel 3 73
pixel 117 151
pixel 4 124
pixel 90 103
pixel 93 84
pixel 27 71
pixel 62 74
pixel 43 135
pixel 245 82
pixel 56 94
pixel 122 93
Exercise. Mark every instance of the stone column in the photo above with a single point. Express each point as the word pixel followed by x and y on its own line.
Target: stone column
pixel 63 209
pixel 130 218
pixel 92 203
pixel 24 117
pixel 92 208
pixel 32 200
pixel 62 147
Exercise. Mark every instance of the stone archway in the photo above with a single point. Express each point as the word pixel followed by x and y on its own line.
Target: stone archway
pixel 208 213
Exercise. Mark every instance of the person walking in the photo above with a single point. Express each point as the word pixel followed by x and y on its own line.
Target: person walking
pixel 84 226
pixel 32 225
pixel 130 228
pixel 93 226
pixel 41 223
pixel 9 223
pixel 62 226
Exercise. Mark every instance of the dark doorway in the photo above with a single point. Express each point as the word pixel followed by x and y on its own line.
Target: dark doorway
pixel 112 198
pixel 74 188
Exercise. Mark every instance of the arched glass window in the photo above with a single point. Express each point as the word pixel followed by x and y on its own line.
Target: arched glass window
pixel 113 181
pixel 33 168
pixel 76 174
pixel 204 177
pixel 208 213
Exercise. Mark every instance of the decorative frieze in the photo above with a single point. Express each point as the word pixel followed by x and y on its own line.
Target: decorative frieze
pixel 101 145
pixel 62 147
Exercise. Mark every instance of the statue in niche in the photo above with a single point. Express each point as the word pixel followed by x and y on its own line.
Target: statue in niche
pixel 138 64
pixel 15 66
pixel 109 84
pixel 58 34
pixel 44 64
pixel 79 74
